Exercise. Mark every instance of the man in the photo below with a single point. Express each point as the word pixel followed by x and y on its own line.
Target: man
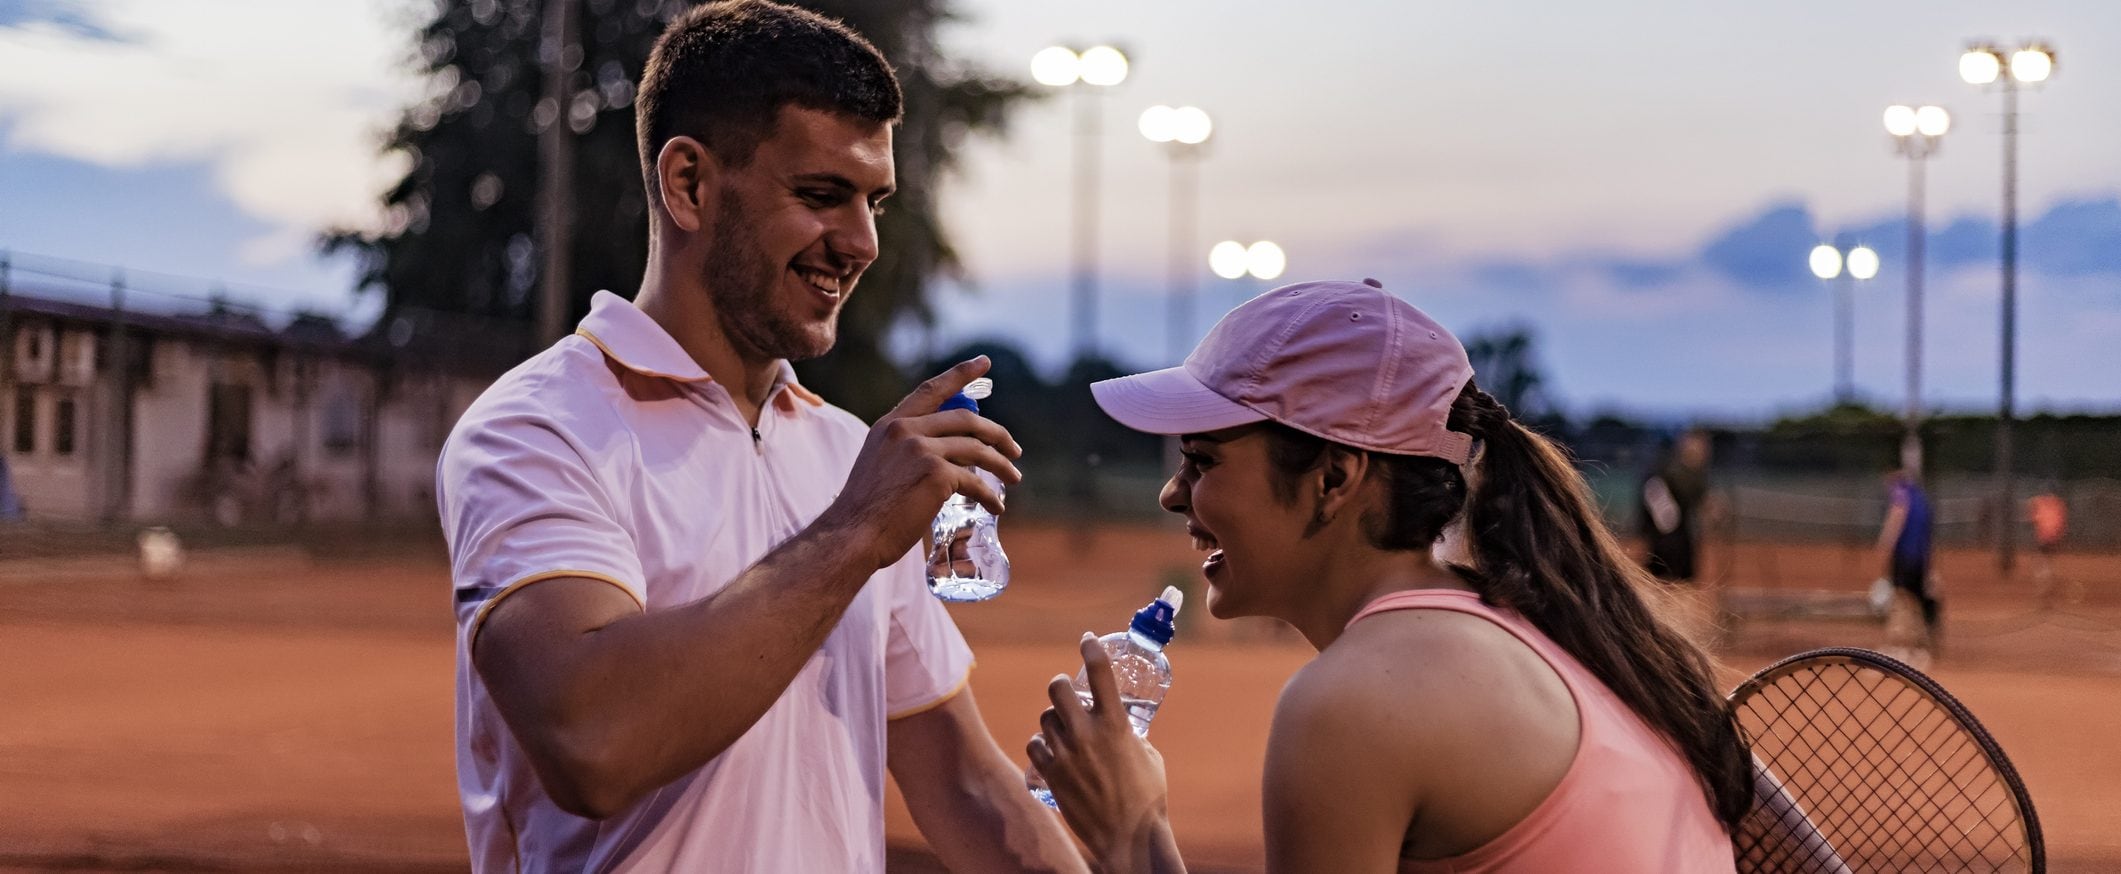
pixel 1904 547
pixel 693 632
pixel 1673 499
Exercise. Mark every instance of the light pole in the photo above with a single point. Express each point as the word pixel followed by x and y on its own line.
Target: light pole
pixel 1917 133
pixel 1097 68
pixel 1827 262
pixel 1982 64
pixel 1184 131
pixel 560 45
pixel 1263 260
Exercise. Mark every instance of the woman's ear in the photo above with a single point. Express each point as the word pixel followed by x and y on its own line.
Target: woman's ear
pixel 1340 478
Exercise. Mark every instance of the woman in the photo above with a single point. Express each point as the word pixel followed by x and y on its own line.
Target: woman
pixel 1494 691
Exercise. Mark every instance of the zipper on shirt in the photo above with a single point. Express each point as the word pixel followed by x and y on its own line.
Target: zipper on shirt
pixel 758 441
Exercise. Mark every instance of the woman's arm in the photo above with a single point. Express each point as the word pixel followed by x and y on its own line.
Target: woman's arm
pixel 1336 792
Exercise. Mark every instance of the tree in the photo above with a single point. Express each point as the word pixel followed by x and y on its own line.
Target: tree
pixel 1506 366
pixel 458 251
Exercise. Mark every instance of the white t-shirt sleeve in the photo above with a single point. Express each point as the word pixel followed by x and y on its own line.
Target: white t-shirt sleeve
pixel 926 660
pixel 521 504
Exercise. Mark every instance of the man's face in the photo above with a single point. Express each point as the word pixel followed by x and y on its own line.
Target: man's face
pixel 793 231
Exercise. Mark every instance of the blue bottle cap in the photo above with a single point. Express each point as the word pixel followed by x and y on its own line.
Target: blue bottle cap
pixel 1156 621
pixel 969 398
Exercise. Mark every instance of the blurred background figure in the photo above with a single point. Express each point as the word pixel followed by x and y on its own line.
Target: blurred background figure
pixel 1675 498
pixel 10 503
pixel 2050 518
pixel 1904 548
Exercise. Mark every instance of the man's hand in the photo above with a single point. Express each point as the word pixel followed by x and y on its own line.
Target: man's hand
pixel 914 459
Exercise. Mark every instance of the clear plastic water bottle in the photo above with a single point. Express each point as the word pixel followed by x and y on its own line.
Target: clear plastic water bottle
pixel 1142 672
pixel 965 557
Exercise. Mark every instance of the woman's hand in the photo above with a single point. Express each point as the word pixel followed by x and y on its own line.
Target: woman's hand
pixel 1108 782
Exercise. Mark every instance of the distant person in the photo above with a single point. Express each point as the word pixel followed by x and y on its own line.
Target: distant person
pixel 693 629
pixel 1673 502
pixel 10 503
pixel 1904 546
pixel 1494 690
pixel 2050 517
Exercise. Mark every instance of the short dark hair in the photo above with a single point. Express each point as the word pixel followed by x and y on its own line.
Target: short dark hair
pixel 722 71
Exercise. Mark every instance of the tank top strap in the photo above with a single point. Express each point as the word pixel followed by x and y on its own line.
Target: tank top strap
pixel 1572 674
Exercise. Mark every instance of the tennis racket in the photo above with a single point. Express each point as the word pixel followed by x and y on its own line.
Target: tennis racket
pixel 1863 764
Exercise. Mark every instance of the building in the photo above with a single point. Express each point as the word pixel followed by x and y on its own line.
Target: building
pixel 122 416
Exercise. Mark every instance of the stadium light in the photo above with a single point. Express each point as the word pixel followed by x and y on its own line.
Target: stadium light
pixel 1980 65
pixel 1986 63
pixel 1917 134
pixel 1228 259
pixel 1101 67
pixel 1231 259
pixel 1183 131
pixel 1826 261
pixel 2033 63
pixel 1056 66
pixel 1863 262
pixel 1264 260
pixel 1899 120
pixel 1104 66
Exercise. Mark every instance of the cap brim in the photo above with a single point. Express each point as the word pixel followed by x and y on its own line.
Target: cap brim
pixel 1170 401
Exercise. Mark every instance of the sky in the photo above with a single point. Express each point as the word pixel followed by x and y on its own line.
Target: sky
pixel 1637 182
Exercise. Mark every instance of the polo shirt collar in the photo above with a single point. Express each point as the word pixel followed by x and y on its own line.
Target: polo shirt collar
pixel 628 336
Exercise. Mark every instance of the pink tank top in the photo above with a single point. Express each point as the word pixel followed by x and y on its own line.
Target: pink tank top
pixel 1629 803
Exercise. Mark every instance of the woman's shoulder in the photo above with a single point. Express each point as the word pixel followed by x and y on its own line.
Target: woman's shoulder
pixel 1405 665
pixel 1448 706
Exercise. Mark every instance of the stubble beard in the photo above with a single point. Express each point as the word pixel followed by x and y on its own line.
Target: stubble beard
pixel 742 283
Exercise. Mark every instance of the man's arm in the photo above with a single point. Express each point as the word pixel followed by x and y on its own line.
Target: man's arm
pixel 969 799
pixel 610 703
pixel 1889 534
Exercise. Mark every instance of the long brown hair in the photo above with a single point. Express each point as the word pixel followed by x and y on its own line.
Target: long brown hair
pixel 1540 547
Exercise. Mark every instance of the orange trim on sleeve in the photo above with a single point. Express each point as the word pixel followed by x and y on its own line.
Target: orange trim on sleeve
pixel 940 700
pixel 479 621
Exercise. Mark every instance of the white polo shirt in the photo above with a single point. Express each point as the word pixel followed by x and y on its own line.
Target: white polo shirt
pixel 613 456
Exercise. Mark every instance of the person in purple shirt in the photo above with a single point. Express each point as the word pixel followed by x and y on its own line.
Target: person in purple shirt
pixel 1904 547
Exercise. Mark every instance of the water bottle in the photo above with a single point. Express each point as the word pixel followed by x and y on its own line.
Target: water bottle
pixel 965 558
pixel 1142 672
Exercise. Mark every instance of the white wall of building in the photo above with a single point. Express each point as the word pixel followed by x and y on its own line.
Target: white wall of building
pixel 317 409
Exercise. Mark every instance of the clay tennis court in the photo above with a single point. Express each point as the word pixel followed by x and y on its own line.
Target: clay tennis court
pixel 270 711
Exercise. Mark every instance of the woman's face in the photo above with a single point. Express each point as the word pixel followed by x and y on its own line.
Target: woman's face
pixel 1254 541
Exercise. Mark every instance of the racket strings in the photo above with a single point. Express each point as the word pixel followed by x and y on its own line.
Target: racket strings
pixel 1883 772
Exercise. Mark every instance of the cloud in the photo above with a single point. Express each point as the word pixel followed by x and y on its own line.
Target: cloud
pixel 2076 238
pixel 1766 251
pixel 66 15
pixel 284 101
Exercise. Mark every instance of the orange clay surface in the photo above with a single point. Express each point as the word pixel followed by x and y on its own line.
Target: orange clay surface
pixel 269 712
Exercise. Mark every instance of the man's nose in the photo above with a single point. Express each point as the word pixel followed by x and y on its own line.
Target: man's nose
pixel 855 238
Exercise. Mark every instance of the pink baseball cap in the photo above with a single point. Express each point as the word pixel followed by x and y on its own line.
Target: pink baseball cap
pixel 1340 360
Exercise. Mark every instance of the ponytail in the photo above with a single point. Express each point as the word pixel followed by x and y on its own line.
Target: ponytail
pixel 1540 547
